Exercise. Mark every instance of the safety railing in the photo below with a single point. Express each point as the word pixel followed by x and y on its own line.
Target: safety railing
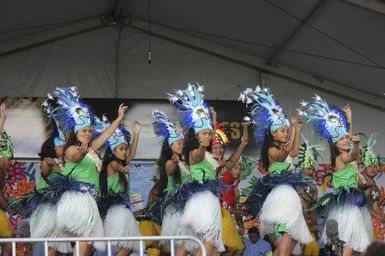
pixel 108 240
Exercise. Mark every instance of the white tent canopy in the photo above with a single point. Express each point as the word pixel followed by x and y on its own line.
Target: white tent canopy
pixel 331 45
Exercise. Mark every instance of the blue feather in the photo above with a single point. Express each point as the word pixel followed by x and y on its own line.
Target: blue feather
pixel 340 198
pixel 51 194
pixel 113 199
pixel 180 194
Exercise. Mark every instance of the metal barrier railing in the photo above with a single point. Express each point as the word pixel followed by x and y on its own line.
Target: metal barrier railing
pixel 77 240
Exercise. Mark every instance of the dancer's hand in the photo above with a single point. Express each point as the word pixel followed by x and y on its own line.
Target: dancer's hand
pixel 356 139
pixel 245 138
pixel 50 161
pixel 124 170
pixel 83 148
pixel 348 112
pixel 121 111
pixel 214 115
pixel 175 158
pixel 297 122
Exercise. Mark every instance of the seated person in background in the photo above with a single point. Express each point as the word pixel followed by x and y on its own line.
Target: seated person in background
pixel 256 246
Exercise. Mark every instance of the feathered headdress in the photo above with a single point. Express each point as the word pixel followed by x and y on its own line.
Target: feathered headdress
pixel 164 128
pixel 192 110
pixel 328 121
pixel 368 157
pixel 119 136
pixel 6 146
pixel 265 113
pixel 308 154
pixel 48 106
pixel 220 136
pixel 65 107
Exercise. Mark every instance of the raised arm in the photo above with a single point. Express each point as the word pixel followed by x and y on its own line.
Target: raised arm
pixel 117 167
pixel 277 155
pixel 238 152
pixel 99 141
pixel 214 116
pixel 297 123
pixel 3 115
pixel 76 153
pixel 134 143
pixel 171 165
pixel 348 113
pixel 354 154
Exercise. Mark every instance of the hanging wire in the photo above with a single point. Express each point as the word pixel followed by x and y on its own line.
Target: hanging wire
pixel 149 32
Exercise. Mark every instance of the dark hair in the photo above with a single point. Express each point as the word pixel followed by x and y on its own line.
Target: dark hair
pixel 268 142
pixel 334 152
pixel 107 159
pixel 376 248
pixel 165 155
pixel 190 143
pixel 254 230
pixel 71 141
pixel 47 149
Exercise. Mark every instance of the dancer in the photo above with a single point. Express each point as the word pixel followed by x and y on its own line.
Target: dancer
pixel 201 194
pixel 77 212
pixel 114 204
pixel 274 197
pixel 173 172
pixel 347 204
pixel 231 239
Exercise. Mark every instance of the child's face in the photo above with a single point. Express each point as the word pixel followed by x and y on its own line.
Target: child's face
pixel 5 163
pixel 84 135
pixel 121 151
pixel 310 171
pixel 343 144
pixel 236 171
pixel 218 151
pixel 177 147
pixel 282 134
pixel 371 170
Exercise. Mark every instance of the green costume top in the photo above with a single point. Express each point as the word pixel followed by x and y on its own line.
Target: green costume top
pixel 183 176
pixel 42 184
pixel 345 178
pixel 278 167
pixel 84 171
pixel 114 184
pixel 203 170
